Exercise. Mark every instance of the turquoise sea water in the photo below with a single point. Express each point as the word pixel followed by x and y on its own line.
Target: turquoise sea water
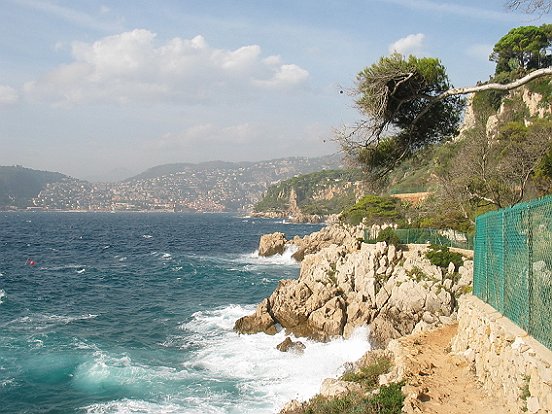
pixel 133 313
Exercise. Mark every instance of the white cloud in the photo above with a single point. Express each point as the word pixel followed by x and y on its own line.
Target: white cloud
pixel 131 66
pixel 206 133
pixel 411 44
pixel 285 76
pixel 8 95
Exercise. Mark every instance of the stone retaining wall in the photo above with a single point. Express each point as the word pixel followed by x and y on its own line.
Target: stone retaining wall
pixel 507 360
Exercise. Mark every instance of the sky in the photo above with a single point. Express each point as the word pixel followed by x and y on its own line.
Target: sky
pixel 103 90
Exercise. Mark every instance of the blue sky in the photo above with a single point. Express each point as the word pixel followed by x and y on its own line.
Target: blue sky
pixel 91 88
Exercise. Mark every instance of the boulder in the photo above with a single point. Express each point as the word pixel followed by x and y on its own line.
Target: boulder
pixel 332 388
pixel 391 323
pixel 293 407
pixel 271 244
pixel 329 320
pixel 260 321
pixel 288 345
pixel 288 305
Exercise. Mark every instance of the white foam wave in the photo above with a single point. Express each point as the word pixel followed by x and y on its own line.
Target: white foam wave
pixel 116 374
pixel 41 322
pixel 127 406
pixel 285 258
pixel 7 382
pixel 266 377
pixel 2 295
pixel 75 267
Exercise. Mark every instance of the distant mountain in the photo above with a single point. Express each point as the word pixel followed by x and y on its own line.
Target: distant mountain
pixel 219 185
pixel 18 185
pixel 302 165
pixel 206 187
pixel 168 169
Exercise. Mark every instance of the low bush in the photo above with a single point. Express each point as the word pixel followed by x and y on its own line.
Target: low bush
pixel 368 376
pixel 441 256
pixel 389 400
pixel 389 236
pixel 373 209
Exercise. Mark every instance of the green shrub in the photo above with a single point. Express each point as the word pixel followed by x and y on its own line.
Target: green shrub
pixel 389 236
pixel 368 376
pixel 441 256
pixel 524 392
pixel 389 400
pixel 417 274
pixel 374 209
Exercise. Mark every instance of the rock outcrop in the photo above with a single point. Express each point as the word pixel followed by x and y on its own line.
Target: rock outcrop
pixel 350 284
pixel 287 345
pixel 335 233
pixel 271 244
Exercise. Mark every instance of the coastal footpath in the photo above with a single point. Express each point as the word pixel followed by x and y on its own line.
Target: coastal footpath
pixel 449 351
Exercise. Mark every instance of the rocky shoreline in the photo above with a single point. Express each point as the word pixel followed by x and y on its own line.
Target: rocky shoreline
pixel 344 284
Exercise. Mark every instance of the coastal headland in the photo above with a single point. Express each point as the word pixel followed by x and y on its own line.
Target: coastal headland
pixel 412 308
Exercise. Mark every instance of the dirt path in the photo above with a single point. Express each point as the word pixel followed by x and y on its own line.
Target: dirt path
pixel 442 383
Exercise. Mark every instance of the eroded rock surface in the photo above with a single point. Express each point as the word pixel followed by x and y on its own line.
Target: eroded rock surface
pixel 272 244
pixel 348 284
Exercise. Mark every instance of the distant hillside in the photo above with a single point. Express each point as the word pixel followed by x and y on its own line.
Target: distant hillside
pixel 206 187
pixel 18 185
pixel 318 193
pixel 295 165
pixel 168 169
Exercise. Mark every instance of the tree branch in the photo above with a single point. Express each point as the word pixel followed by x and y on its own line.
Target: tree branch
pixel 539 73
pixel 487 87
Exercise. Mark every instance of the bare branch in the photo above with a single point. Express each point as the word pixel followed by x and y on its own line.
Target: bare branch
pixel 531 6
pixel 496 86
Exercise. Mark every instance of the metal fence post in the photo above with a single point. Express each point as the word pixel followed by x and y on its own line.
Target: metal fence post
pixel 503 261
pixel 529 268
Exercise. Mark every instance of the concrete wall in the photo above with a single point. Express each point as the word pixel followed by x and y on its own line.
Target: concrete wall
pixel 507 360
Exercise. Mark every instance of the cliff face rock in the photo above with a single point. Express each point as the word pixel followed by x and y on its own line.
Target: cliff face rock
pixel 342 287
pixel 332 234
pixel 260 321
pixel 272 244
pixel 336 233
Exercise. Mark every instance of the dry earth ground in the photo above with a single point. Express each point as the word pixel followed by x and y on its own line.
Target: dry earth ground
pixel 440 382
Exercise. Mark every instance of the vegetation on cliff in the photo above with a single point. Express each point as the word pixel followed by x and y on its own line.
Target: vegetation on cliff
pixel 502 155
pixel 18 185
pixel 321 193
pixel 372 209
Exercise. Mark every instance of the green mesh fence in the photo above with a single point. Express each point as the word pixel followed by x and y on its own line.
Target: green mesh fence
pixel 448 238
pixel 513 265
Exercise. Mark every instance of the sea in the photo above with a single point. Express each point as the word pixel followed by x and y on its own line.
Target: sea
pixel 134 313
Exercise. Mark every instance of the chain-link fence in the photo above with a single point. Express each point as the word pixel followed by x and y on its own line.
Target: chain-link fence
pixel 449 238
pixel 513 265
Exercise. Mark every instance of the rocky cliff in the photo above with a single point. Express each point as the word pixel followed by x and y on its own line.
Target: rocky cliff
pixel 344 284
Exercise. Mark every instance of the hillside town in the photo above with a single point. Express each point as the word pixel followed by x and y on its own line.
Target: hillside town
pixel 210 187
